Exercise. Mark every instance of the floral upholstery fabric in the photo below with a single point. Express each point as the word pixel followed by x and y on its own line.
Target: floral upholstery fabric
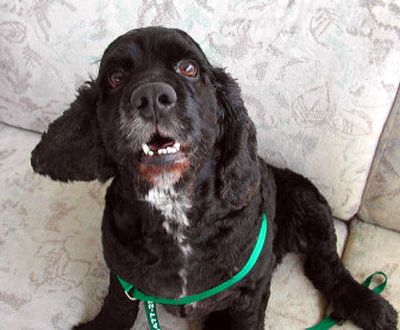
pixel 318 77
pixel 52 272
pixel 50 255
pixel 381 199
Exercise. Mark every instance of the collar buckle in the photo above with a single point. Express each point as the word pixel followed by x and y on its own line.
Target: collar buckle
pixel 129 296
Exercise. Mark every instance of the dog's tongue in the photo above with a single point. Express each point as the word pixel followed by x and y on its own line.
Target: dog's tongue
pixel 160 142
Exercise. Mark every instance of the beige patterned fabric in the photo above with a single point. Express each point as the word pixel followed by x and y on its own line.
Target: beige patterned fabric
pixel 52 272
pixel 369 249
pixel 318 77
pixel 51 269
pixel 381 199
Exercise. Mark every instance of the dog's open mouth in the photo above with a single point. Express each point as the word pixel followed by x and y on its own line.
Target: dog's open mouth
pixel 159 145
pixel 163 155
pixel 163 151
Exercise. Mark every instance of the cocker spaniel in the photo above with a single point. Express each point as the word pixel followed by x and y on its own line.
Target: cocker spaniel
pixel 184 207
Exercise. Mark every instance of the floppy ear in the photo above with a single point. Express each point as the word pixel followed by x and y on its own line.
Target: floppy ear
pixel 238 168
pixel 72 148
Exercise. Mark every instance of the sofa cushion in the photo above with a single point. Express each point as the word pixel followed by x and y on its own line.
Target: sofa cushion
pixel 369 249
pixel 318 77
pixel 381 199
pixel 51 267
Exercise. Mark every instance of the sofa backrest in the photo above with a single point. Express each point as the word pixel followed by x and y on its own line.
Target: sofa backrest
pixel 381 199
pixel 317 77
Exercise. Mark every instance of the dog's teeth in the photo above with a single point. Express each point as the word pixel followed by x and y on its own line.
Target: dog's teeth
pixel 145 148
pixel 168 150
pixel 177 146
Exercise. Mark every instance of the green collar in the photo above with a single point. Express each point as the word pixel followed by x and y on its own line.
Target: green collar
pixel 151 301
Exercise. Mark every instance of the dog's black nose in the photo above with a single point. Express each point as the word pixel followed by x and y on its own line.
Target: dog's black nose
pixel 153 98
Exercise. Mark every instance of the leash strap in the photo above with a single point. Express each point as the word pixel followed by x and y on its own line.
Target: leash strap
pixel 151 315
pixel 150 301
pixel 328 322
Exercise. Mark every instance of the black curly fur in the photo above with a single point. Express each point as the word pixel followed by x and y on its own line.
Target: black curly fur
pixel 229 187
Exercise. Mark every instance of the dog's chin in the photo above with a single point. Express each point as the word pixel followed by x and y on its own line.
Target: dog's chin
pixel 164 170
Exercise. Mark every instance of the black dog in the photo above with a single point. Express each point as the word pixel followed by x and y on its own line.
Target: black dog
pixel 184 208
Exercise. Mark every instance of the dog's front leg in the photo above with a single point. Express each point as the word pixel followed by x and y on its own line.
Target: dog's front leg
pixel 350 300
pixel 117 312
pixel 247 312
pixel 305 225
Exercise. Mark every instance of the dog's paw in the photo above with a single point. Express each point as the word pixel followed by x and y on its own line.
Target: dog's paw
pixel 87 326
pixel 374 313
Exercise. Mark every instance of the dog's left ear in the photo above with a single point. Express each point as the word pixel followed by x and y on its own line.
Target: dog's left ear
pixel 72 149
pixel 238 168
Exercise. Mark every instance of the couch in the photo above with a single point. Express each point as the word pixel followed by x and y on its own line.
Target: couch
pixel 320 80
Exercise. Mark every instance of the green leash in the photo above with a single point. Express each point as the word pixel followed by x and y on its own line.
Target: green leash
pixel 150 301
pixel 328 322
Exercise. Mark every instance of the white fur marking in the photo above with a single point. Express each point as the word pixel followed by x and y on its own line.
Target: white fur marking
pixel 183 275
pixel 173 207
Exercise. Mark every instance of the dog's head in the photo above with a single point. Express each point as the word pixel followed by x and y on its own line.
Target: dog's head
pixel 157 111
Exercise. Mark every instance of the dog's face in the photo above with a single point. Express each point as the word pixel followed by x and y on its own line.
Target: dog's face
pixel 157 107
pixel 157 111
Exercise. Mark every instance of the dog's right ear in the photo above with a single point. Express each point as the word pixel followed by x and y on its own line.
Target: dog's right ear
pixel 72 148
pixel 238 167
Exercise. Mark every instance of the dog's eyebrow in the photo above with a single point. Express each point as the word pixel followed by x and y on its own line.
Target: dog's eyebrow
pixel 179 49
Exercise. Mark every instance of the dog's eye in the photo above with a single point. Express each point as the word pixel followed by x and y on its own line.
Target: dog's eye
pixel 115 79
pixel 187 69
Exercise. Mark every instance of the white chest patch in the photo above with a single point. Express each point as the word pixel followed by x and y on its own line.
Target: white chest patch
pixel 174 208
pixel 171 205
